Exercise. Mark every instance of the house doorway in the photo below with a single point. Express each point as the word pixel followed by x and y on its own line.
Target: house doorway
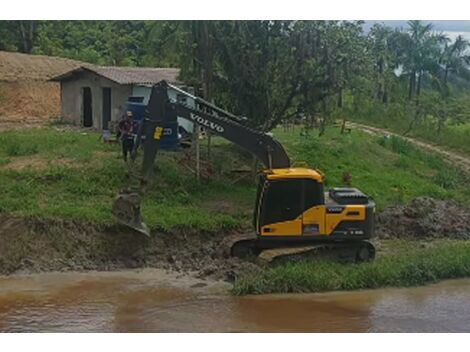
pixel 87 107
pixel 106 107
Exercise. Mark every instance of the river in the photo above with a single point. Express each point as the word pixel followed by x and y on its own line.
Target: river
pixel 155 301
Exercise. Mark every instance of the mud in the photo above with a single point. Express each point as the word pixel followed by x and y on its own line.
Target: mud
pixel 34 245
pixel 425 218
pixel 29 245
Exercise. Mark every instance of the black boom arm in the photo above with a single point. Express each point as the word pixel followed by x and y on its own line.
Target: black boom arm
pixel 161 110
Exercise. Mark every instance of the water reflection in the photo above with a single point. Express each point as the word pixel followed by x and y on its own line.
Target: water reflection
pixel 154 301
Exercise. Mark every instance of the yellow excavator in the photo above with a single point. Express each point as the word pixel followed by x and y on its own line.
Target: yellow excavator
pixel 291 210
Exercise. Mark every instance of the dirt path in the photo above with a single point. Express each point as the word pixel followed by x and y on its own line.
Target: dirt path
pixel 453 158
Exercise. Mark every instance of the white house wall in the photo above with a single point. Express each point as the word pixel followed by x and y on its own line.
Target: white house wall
pixel 72 99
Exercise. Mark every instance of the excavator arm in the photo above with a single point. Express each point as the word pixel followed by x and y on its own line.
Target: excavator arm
pixel 160 112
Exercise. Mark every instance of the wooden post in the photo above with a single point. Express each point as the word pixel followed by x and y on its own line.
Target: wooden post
pixel 198 154
pixel 208 147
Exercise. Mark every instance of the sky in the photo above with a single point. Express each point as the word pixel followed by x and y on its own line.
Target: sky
pixel 451 28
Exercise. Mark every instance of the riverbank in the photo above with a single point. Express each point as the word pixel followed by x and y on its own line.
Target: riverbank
pixel 58 184
pixel 34 246
pixel 401 264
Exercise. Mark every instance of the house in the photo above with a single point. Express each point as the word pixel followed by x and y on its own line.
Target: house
pixel 26 92
pixel 94 96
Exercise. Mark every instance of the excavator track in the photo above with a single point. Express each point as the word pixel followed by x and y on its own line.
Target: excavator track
pixel 239 245
pixel 245 246
pixel 356 252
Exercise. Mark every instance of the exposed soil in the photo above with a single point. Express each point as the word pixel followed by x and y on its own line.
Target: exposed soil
pixel 27 97
pixel 18 66
pixel 30 102
pixel 32 245
pixel 425 218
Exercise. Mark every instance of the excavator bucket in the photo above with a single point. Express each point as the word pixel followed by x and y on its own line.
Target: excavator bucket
pixel 126 210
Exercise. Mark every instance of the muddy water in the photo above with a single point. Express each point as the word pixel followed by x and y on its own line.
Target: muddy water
pixel 155 301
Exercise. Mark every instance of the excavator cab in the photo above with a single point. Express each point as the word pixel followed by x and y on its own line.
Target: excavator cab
pixel 285 195
pixel 292 209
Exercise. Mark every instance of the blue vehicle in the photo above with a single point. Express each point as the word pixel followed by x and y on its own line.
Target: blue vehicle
pixel 170 139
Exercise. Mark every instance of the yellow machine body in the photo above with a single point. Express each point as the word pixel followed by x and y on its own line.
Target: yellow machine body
pixel 292 204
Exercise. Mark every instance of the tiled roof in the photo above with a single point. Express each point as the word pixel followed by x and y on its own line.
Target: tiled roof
pixel 128 75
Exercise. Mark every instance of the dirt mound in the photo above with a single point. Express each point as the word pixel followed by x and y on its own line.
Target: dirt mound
pixel 32 245
pixel 26 94
pixel 18 66
pixel 29 101
pixel 425 218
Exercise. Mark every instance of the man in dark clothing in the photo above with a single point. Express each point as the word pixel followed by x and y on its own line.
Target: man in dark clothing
pixel 127 138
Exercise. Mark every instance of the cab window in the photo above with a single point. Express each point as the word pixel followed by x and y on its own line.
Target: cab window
pixel 313 193
pixel 282 201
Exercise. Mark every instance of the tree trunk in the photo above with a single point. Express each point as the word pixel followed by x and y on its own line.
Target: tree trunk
pixel 385 96
pixel 343 125
pixel 380 85
pixel 418 87
pixel 411 85
pixel 446 73
pixel 439 126
pixel 339 102
pixel 26 29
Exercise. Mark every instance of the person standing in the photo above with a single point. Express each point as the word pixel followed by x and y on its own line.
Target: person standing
pixel 125 127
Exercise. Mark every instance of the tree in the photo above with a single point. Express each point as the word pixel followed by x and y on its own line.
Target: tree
pixel 455 58
pixel 422 50
pixel 386 51
pixel 27 31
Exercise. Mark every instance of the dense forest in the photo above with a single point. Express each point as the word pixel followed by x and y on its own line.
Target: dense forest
pixel 412 79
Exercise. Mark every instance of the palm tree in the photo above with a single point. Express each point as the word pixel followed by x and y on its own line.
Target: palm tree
pixel 421 54
pixel 385 49
pixel 456 59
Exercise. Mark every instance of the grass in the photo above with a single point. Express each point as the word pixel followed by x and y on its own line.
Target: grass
pixel 390 170
pixel 406 265
pixel 69 174
pixel 73 175
pixel 454 137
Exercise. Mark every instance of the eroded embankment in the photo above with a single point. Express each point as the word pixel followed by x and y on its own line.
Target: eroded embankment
pixel 34 245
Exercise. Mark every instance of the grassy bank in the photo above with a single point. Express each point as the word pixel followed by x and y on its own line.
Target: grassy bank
pixel 390 170
pixel 72 175
pixel 51 173
pixel 453 137
pixel 405 265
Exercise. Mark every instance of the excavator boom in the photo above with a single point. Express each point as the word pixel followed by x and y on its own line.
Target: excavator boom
pixel 159 112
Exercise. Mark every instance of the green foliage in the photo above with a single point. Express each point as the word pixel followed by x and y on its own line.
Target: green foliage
pixel 412 80
pixel 409 266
